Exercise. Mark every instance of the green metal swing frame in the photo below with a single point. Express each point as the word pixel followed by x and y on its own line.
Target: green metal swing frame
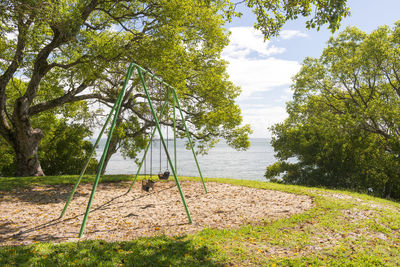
pixel 114 114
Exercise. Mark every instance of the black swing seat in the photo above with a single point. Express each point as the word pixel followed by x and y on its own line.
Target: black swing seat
pixel 163 176
pixel 147 184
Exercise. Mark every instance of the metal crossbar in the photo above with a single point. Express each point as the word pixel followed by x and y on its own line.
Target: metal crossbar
pixel 114 115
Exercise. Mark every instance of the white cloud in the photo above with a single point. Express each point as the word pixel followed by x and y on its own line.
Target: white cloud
pixel 263 117
pixel 246 40
pixel 289 34
pixel 252 67
pixel 260 75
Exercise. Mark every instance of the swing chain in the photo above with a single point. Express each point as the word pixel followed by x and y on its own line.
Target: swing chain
pixel 164 175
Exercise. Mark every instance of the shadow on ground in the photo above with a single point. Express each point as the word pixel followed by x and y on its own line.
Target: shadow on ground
pixel 11 233
pixel 44 195
pixel 45 190
pixel 59 186
pixel 158 251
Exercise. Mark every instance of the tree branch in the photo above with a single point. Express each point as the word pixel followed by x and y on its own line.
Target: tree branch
pixel 118 19
pixel 63 32
pixel 67 98
pixel 67 66
pixel 5 129
pixel 397 89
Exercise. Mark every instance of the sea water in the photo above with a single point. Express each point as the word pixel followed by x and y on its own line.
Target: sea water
pixel 222 161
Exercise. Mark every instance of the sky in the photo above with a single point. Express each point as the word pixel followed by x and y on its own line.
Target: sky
pixel 264 70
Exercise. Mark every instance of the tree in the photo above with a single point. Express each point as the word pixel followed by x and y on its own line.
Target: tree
pixel 63 150
pixel 70 51
pixel 128 137
pixel 273 14
pixel 343 126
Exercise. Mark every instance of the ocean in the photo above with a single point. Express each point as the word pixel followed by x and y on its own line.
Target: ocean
pixel 221 161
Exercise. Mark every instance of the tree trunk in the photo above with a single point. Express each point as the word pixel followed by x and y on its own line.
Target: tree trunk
pixel 388 190
pixel 112 149
pixel 27 159
pixel 26 141
pixel 115 142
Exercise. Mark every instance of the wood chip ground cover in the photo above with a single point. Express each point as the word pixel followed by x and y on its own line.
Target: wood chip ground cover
pixel 31 215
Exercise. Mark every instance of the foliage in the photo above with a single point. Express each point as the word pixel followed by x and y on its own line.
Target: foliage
pixel 273 14
pixel 7 162
pixel 133 142
pixel 68 51
pixel 62 150
pixel 344 125
pixel 319 237
pixel 66 151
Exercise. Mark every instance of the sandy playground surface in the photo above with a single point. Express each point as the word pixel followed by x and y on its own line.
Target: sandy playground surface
pixel 31 215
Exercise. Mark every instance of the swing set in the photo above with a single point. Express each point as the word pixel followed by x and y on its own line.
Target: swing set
pixel 147 184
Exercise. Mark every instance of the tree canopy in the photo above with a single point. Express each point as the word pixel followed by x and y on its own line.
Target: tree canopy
pixel 273 14
pixel 64 52
pixel 344 121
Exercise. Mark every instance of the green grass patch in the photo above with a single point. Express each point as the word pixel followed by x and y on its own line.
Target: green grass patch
pixel 343 229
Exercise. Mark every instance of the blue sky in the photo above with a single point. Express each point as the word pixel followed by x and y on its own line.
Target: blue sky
pixel 263 70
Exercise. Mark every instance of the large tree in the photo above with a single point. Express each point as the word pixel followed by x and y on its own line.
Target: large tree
pixel 64 148
pixel 70 51
pixel 344 121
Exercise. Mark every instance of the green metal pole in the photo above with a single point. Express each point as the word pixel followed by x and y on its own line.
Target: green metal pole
pixel 183 119
pixel 148 145
pixel 128 75
pixel 91 155
pixel 164 145
pixel 152 75
pixel 174 119
pixel 141 162
pixel 188 137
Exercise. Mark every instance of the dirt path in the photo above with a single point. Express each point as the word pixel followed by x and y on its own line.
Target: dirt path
pixel 31 215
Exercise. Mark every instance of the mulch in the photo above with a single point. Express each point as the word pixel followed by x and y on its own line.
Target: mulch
pixel 32 215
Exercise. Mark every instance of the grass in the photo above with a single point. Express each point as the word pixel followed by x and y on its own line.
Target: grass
pixel 343 228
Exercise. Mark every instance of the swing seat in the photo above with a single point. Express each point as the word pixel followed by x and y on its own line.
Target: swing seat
pixel 147 184
pixel 163 176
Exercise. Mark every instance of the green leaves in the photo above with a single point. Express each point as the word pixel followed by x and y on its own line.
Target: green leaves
pixel 72 50
pixel 79 50
pixel 65 151
pixel 272 14
pixel 343 125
